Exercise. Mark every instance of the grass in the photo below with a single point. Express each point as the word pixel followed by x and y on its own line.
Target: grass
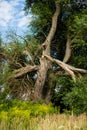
pixel 20 115
pixel 50 122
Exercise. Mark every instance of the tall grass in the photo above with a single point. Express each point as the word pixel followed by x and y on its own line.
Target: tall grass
pixel 20 115
pixel 50 122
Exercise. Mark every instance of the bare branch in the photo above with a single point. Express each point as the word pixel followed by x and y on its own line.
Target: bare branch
pixel 68 50
pixel 77 69
pixel 62 65
pixel 69 69
pixel 24 70
pixel 54 25
pixel 21 38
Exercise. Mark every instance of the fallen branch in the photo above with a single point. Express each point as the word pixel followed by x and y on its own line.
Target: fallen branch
pixel 24 70
pixel 68 68
pixel 77 69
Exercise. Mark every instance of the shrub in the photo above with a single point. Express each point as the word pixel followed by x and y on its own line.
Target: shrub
pixel 18 108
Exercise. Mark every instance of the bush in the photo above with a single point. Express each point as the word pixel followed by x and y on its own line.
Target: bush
pixel 76 99
pixel 18 108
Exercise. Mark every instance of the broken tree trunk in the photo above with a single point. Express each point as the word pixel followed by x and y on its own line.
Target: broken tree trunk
pixel 44 62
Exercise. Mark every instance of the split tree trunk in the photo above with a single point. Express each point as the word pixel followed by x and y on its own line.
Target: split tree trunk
pixel 44 62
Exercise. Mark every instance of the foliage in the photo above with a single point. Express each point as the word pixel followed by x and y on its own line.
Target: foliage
pixel 19 108
pixel 71 96
pixel 64 85
pixel 76 99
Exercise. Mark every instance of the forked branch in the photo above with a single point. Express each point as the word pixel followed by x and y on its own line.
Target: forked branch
pixel 68 68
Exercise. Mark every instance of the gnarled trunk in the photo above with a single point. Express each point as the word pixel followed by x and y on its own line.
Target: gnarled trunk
pixel 44 62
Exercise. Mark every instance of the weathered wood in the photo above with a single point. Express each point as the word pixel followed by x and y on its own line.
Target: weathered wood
pixel 67 51
pixel 23 70
pixel 68 68
pixel 44 63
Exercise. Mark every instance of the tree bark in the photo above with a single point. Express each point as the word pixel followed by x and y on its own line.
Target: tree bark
pixel 19 72
pixel 68 68
pixel 44 62
pixel 67 51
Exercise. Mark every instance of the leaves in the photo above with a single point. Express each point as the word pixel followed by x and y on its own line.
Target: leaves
pixel 77 98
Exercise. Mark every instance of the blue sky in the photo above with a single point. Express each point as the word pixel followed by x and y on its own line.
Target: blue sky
pixel 12 17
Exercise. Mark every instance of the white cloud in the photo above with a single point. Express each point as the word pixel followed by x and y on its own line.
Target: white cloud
pixel 23 22
pixel 14 2
pixel 12 16
pixel 6 12
pixel 21 14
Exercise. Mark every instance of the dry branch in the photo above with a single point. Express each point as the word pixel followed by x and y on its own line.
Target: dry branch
pixel 68 50
pixel 24 70
pixel 68 68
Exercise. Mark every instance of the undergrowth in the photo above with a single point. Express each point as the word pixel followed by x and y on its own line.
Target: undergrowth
pixel 24 115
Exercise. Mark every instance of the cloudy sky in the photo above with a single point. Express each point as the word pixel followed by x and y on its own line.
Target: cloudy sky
pixel 12 16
